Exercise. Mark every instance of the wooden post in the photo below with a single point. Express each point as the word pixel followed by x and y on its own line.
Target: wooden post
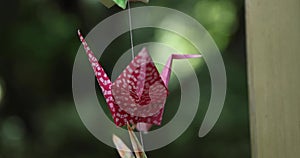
pixel 273 41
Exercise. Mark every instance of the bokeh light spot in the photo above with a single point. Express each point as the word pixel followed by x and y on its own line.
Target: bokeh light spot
pixel 219 18
pixel 13 129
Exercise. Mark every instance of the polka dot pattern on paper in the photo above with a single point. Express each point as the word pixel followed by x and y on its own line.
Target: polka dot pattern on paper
pixel 138 94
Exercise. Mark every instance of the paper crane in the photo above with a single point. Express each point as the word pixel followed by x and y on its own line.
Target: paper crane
pixel 138 95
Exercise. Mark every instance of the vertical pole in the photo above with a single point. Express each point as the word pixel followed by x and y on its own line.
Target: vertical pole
pixel 273 50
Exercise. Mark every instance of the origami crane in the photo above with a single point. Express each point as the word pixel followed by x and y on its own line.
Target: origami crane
pixel 120 3
pixel 139 94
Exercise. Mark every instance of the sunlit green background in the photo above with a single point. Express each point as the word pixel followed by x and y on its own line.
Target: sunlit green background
pixel 38 46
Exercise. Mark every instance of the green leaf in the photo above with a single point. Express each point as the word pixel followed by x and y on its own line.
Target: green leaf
pixel 121 3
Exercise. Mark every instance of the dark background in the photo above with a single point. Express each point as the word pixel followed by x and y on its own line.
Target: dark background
pixel 38 46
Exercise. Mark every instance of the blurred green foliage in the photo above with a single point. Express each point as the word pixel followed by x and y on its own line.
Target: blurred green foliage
pixel 39 43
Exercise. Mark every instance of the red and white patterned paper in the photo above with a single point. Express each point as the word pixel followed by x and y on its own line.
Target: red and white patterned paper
pixel 139 90
pixel 139 94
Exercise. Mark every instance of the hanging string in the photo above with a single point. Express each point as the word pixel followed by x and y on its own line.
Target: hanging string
pixel 132 53
pixel 130 29
pixel 141 137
